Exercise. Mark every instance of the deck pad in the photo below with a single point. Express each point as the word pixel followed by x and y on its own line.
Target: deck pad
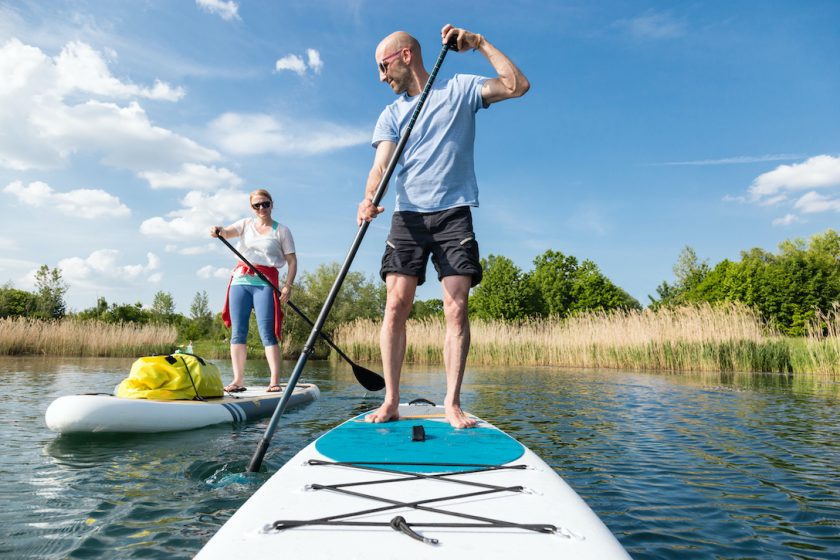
pixel 367 443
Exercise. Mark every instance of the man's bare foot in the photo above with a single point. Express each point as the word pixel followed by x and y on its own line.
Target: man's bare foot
pixel 384 413
pixel 458 418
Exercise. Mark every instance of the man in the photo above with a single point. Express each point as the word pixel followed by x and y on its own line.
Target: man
pixel 436 187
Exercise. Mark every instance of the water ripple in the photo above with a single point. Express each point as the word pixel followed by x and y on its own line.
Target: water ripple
pixel 677 466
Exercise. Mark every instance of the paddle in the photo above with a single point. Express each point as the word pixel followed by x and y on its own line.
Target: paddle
pixel 366 378
pixel 256 460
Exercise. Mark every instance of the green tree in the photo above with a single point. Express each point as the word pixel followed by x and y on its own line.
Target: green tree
pixel 786 288
pixel 553 278
pixel 16 303
pixel 689 272
pixel 97 312
pixel 358 298
pixel 504 292
pixel 50 289
pixel 592 291
pixel 163 307
pixel 565 286
pixel 127 313
pixel 201 317
pixel 429 308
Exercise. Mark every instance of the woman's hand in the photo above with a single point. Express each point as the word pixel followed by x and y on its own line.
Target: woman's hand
pixel 216 231
pixel 285 294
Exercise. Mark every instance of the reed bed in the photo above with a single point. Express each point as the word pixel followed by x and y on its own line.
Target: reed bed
pixel 70 337
pixel 820 350
pixel 699 338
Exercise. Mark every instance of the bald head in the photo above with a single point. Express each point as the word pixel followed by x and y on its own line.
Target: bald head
pixel 399 40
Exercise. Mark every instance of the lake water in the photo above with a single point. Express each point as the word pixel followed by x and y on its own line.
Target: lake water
pixel 677 466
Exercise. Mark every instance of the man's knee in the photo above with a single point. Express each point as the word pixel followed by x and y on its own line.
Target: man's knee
pixel 455 309
pixel 397 307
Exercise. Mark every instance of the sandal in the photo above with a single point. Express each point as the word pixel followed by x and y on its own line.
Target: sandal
pixel 273 389
pixel 234 388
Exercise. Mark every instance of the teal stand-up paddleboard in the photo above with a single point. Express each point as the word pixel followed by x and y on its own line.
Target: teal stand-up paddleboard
pixel 415 488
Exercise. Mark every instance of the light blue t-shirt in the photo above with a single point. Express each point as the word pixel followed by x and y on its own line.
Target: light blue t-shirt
pixel 437 170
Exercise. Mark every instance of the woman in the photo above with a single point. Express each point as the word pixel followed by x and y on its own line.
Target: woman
pixel 268 245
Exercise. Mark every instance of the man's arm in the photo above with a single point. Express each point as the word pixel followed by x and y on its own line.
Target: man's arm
pixel 509 81
pixel 367 211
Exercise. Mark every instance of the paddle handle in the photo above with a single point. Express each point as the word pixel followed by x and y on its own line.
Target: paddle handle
pixel 259 454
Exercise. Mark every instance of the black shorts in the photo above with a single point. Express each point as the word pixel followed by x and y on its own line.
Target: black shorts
pixel 446 235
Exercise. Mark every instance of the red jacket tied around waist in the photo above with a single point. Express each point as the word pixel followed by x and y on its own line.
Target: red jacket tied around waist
pixel 273 277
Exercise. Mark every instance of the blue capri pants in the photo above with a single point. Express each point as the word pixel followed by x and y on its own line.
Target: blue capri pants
pixel 243 298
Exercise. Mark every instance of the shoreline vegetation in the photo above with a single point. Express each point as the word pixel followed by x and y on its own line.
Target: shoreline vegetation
pixel 692 338
pixel 20 336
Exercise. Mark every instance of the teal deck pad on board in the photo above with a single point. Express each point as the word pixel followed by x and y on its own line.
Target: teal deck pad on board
pixel 360 441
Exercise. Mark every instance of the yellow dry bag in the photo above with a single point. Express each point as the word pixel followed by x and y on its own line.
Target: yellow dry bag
pixel 170 378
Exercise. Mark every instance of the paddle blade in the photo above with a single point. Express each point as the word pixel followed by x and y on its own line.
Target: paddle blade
pixel 368 379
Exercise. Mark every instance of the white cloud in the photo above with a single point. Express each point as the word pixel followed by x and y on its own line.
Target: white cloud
pixel 83 203
pixel 786 220
pixel 200 211
pixel 227 10
pixel 313 59
pixel 18 271
pixel 101 267
pixel 296 64
pixel 80 68
pixel 783 184
pixel 207 272
pixel 736 160
pixel 195 250
pixel 773 200
pixel 9 244
pixel 193 176
pixel 291 62
pixel 813 202
pixel 49 103
pixel 124 134
pixel 817 172
pixel 653 26
pixel 252 134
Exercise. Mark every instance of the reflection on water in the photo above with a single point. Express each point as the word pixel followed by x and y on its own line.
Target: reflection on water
pixel 700 465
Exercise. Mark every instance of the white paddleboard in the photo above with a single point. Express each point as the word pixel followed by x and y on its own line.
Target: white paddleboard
pixel 370 491
pixel 107 413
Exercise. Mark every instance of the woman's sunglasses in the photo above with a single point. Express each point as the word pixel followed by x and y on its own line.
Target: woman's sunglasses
pixel 266 204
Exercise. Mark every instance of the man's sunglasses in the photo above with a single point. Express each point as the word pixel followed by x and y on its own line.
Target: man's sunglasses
pixel 264 204
pixel 383 64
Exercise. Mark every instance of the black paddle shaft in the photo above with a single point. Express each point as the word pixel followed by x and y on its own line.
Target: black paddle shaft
pixel 256 460
pixel 368 379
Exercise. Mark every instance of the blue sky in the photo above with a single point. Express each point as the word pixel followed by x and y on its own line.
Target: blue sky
pixel 127 128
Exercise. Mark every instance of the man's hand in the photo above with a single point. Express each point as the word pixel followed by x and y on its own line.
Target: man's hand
pixel 367 211
pixel 463 39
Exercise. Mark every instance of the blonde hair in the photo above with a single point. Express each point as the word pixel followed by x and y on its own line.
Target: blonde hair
pixel 260 192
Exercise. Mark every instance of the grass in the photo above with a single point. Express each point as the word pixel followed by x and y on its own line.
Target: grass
pixel 69 337
pixel 701 338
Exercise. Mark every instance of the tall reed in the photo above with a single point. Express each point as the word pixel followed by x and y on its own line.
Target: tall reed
pixel 820 351
pixel 729 338
pixel 71 337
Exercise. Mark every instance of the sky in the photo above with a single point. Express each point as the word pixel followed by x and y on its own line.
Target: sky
pixel 128 128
